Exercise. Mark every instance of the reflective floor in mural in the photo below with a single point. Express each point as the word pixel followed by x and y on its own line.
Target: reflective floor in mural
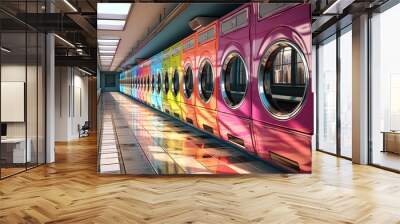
pixel 139 140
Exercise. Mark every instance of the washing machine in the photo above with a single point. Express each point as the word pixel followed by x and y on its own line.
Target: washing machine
pixel 282 109
pixel 206 98
pixel 156 69
pixel 128 82
pixel 137 82
pixel 189 81
pixel 166 87
pixel 174 96
pixel 147 77
pixel 122 82
pixel 234 69
pixel 134 76
pixel 140 82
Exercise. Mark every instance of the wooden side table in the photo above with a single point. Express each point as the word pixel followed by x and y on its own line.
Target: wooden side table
pixel 391 141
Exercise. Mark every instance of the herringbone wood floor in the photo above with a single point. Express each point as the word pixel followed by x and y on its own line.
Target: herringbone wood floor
pixel 70 191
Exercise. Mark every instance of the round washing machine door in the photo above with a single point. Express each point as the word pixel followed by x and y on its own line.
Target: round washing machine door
pixel 234 80
pixel 158 82
pixel 283 79
pixel 188 82
pixel 153 82
pixel 205 81
pixel 175 83
pixel 166 83
pixel 148 82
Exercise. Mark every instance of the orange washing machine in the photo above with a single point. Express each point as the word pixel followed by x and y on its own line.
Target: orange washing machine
pixel 189 81
pixel 207 87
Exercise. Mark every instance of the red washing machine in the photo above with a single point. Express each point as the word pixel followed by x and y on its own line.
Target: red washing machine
pixel 189 81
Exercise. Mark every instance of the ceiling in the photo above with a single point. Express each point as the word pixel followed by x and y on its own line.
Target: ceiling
pixel 149 28
pixel 146 34
pixel 73 22
pixel 141 19
pixel 162 23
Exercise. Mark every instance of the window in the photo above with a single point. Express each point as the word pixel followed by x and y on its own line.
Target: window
pixel 22 85
pixel 188 45
pixel 234 80
pixel 158 83
pixel 175 82
pixel 385 89
pixel 166 83
pixel 269 9
pixel 206 81
pixel 206 36
pixel 188 82
pixel 346 74
pixel 327 94
pixel 235 22
pixel 283 79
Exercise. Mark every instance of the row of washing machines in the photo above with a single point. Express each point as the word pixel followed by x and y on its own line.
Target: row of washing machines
pixel 245 78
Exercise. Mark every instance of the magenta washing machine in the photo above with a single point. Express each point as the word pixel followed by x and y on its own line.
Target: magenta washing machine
pixel 234 69
pixel 282 110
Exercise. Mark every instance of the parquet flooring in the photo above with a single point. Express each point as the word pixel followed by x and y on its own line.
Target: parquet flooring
pixel 70 191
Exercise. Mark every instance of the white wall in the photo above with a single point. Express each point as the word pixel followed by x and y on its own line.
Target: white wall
pixel 71 102
pixel 16 73
pixel 33 126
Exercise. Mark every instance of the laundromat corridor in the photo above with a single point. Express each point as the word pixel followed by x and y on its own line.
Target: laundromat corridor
pixel 139 140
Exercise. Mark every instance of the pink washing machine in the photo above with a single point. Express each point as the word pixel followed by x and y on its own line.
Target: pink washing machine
pixel 282 108
pixel 234 69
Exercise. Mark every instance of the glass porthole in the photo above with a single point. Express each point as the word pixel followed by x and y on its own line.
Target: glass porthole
pixel 148 83
pixel 166 83
pixel 234 80
pixel 175 82
pixel 134 82
pixel 153 82
pixel 158 83
pixel 188 82
pixel 283 79
pixel 206 81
